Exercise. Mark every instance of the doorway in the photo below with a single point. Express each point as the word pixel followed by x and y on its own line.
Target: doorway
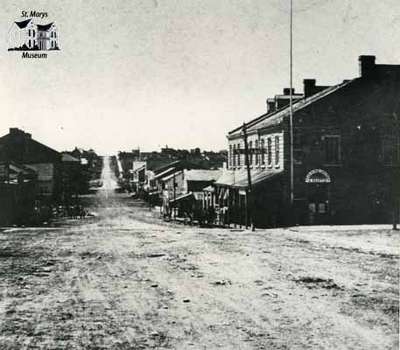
pixel 318 195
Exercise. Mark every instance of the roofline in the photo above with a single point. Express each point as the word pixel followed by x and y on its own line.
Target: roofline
pixel 260 118
pixel 307 101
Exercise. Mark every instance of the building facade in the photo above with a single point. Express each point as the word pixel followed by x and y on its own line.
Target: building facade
pixel 346 155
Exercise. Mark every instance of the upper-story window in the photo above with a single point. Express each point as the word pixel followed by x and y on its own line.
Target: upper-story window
pixel 230 156
pixel 262 152
pixel 256 154
pixel 332 149
pixel 238 154
pixel 269 151
pixel 33 32
pixel 277 150
pixel 29 32
pixel 250 152
pixel 233 163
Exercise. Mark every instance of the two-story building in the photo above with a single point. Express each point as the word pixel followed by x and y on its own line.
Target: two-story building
pixel 346 154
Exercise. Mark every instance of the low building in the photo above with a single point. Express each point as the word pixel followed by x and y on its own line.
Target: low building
pixel 346 156
pixel 183 192
pixel 19 147
pixel 17 193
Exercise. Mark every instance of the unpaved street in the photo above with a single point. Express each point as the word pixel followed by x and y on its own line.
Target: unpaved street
pixel 125 280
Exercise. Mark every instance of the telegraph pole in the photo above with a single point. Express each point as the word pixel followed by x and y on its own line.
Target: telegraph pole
pixel 291 116
pixel 249 184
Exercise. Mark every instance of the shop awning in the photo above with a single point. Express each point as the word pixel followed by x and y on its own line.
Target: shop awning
pixel 239 179
pixel 184 197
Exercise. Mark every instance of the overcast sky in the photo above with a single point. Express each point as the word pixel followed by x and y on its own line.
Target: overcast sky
pixel 179 72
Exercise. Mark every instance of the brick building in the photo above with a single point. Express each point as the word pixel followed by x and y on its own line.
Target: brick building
pixel 346 155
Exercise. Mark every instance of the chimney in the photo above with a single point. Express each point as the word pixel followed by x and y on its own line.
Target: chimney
pixel 309 87
pixel 15 131
pixel 367 65
pixel 286 91
pixel 270 105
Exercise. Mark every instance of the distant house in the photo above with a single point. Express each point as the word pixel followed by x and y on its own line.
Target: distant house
pixel 138 175
pixel 26 35
pixel 73 177
pixel 19 147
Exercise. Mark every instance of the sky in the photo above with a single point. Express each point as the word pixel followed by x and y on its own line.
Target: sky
pixel 182 73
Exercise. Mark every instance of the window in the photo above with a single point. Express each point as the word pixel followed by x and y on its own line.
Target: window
pixel 332 149
pixel 256 150
pixel 230 156
pixel 262 152
pixel 234 155
pixel 29 43
pixel 277 150
pixel 269 151
pixel 390 149
pixel 238 154
pixel 250 153
pixel 33 32
pixel 29 32
pixel 321 208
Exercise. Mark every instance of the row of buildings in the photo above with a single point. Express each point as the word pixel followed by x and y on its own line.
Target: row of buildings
pixel 35 178
pixel 172 179
pixel 341 168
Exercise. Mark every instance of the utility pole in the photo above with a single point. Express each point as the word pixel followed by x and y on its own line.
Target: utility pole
pixel 249 184
pixel 291 116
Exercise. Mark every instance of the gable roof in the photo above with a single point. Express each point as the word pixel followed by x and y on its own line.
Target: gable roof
pixel 23 24
pixel 18 146
pixel 276 117
pixel 68 158
pixel 44 27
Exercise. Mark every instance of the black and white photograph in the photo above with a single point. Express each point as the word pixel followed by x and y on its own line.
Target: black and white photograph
pixel 199 174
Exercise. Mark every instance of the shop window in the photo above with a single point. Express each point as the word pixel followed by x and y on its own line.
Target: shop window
pixel 332 149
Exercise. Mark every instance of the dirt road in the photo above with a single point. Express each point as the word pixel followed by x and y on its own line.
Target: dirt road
pixel 124 280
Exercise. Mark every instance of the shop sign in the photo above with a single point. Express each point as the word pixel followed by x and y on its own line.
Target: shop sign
pixel 318 176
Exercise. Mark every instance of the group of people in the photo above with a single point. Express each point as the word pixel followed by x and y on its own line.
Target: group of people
pixel 74 211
